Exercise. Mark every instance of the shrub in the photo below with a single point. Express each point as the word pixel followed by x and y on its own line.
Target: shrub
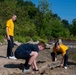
pixel 2 39
pixel 44 40
pixel 20 39
pixel 35 38
pixel 27 38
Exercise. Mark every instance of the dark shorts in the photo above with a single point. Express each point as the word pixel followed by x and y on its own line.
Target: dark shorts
pixel 22 55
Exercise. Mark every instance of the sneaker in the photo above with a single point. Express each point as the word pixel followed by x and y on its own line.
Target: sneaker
pixel 35 69
pixel 26 70
pixel 12 57
pixel 65 67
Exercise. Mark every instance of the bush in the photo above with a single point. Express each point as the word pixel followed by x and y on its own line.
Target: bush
pixel 44 40
pixel 20 39
pixel 2 39
pixel 35 38
pixel 72 38
pixel 27 38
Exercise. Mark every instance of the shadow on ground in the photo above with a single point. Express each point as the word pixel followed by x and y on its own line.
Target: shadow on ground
pixel 11 65
pixel 2 57
pixel 71 63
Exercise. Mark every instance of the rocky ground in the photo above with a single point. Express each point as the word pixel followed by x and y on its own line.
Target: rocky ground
pixel 14 67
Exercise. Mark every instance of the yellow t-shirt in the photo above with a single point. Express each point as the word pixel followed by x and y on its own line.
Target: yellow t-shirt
pixel 10 26
pixel 62 49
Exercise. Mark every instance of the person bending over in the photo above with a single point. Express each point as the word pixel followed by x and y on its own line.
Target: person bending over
pixel 29 52
pixel 60 49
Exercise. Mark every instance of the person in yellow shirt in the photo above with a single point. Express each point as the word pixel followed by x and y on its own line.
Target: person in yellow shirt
pixel 60 49
pixel 9 35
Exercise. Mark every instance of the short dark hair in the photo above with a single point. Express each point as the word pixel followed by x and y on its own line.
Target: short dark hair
pixel 42 44
pixel 56 44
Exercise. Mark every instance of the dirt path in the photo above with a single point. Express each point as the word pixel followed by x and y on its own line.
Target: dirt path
pixel 14 67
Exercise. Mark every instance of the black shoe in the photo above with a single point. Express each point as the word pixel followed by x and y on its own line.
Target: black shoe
pixel 35 70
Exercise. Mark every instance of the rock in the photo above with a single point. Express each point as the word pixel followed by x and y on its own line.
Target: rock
pixel 60 41
pixel 17 43
pixel 0 43
pixel 32 42
pixel 48 46
pixel 54 64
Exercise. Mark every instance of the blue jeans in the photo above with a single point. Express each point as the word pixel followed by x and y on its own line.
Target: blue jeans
pixel 65 57
pixel 10 46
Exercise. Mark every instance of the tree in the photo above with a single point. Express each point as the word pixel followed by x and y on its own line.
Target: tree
pixel 34 20
pixel 65 23
pixel 57 29
pixel 43 6
pixel 74 27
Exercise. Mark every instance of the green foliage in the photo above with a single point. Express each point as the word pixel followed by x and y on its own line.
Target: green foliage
pixel 27 38
pixel 2 39
pixel 36 22
pixel 43 6
pixel 20 39
pixel 65 23
pixel 44 40
pixel 72 37
pixel 42 34
pixel 35 38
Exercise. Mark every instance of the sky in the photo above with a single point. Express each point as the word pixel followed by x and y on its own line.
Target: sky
pixel 65 9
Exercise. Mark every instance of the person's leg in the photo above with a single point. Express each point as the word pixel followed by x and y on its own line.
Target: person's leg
pixel 26 67
pixel 9 49
pixel 53 55
pixel 22 55
pixel 26 62
pixel 28 57
pixel 33 57
pixel 34 66
pixel 29 62
pixel 66 58
pixel 12 45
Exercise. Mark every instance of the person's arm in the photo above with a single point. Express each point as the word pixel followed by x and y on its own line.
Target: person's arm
pixel 62 61
pixel 33 57
pixel 55 56
pixel 34 65
pixel 7 33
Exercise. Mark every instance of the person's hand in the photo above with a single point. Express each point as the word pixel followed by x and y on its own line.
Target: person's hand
pixel 61 65
pixel 8 38
pixel 55 59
